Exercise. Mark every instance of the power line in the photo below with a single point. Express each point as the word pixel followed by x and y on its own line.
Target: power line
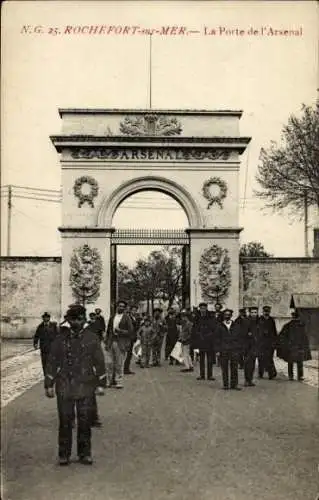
pixel 37 189
pixel 37 199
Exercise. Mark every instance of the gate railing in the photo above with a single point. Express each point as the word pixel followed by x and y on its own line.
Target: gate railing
pixel 150 237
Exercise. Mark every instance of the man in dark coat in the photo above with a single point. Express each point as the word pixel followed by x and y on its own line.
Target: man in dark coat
pixel 119 336
pixel 136 321
pixel 294 345
pixel 76 368
pixel 251 339
pixel 267 344
pixel 203 333
pixel 100 323
pixel 44 336
pixel 219 313
pixel 172 334
pixel 219 316
pixel 242 321
pixel 229 344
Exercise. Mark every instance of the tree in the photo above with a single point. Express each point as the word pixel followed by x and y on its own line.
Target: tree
pixel 159 276
pixel 253 249
pixel 289 174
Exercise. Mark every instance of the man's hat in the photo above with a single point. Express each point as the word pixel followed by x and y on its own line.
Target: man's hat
pixel 92 314
pixel 242 310
pixel 253 308
pixel 157 309
pixel 228 310
pixel 75 310
pixel 267 309
pixel 46 315
pixel 202 304
pixel 184 312
pixel 122 302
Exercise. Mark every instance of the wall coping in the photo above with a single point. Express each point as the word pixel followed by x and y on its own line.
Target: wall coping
pixel 30 258
pixel 273 260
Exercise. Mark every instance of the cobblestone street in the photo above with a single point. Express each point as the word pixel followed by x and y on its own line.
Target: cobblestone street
pixel 166 436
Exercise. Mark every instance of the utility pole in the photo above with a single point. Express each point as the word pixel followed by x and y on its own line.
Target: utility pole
pixel 9 220
pixel 306 225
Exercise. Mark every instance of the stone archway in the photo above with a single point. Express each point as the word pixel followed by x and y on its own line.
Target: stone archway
pixel 183 153
pixel 150 183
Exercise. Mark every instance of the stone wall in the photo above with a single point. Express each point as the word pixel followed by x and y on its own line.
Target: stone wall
pixel 273 281
pixel 29 286
pixel 32 285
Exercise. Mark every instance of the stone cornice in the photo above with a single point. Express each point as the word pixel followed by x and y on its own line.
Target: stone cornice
pixel 114 111
pixel 114 140
pixel 189 148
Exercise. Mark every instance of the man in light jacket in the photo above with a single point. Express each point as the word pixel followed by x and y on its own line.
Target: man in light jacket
pixel 119 335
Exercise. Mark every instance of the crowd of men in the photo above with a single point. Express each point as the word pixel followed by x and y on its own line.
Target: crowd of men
pixel 75 364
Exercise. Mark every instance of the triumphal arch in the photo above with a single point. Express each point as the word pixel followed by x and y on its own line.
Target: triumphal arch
pixel 109 154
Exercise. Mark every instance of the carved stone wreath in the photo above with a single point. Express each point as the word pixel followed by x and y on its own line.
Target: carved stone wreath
pixel 214 274
pixel 215 181
pixel 85 274
pixel 86 197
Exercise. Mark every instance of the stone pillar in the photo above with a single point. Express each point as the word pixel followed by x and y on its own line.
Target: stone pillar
pixel 98 239
pixel 227 239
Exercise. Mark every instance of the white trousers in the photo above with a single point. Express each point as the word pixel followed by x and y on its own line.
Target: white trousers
pixel 187 357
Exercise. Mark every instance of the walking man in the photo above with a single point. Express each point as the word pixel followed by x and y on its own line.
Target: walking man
pixel 100 323
pixel 119 336
pixel 76 368
pixel 136 324
pixel 242 321
pixel 146 334
pixel 251 339
pixel 45 334
pixel 185 339
pixel 159 328
pixel 267 344
pixel 229 345
pixel 204 329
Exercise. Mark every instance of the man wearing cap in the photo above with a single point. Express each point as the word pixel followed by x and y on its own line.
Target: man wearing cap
pixel 267 344
pixel 76 368
pixel 242 322
pixel 100 323
pixel 136 325
pixel 119 335
pixel 44 336
pixel 159 329
pixel 203 339
pixel 251 342
pixel 229 345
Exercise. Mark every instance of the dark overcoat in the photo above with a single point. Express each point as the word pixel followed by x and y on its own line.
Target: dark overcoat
pixel 267 335
pixel 76 363
pixel 45 335
pixel 293 345
pixel 203 332
pixel 229 340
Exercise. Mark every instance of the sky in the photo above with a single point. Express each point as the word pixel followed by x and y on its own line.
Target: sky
pixel 268 77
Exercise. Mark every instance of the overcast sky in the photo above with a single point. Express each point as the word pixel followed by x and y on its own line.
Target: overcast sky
pixel 268 77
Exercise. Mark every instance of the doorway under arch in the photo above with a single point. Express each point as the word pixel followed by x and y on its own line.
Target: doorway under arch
pixel 145 222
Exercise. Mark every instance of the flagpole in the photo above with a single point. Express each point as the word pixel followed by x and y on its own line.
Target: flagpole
pixel 150 72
